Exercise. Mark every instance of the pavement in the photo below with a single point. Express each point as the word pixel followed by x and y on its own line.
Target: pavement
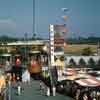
pixel 32 92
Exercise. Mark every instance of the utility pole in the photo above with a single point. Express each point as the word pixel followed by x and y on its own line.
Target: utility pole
pixel 9 90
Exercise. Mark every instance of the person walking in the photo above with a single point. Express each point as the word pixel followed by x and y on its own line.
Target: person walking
pixel 42 87
pixel 54 90
pixel 48 91
pixel 85 97
pixel 14 78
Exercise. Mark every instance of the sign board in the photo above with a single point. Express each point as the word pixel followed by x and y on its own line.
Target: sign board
pixel 57 45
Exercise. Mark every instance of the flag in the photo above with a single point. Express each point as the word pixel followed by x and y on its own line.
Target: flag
pixel 64 18
pixel 65 30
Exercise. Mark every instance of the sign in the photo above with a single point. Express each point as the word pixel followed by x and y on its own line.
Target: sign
pixel 57 41
pixel 52 44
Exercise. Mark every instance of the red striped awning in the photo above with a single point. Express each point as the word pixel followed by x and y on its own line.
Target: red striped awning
pixel 69 72
pixel 88 82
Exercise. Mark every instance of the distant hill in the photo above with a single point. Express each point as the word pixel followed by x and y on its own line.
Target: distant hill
pixel 5 38
pixel 80 40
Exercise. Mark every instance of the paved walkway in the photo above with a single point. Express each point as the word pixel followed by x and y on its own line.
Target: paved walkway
pixel 31 92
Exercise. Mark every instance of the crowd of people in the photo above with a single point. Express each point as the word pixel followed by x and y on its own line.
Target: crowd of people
pixel 86 93
pixel 79 92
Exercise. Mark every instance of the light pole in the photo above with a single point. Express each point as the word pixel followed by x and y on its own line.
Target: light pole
pixel 9 88
pixel 25 39
pixel 46 58
pixel 56 41
pixel 46 49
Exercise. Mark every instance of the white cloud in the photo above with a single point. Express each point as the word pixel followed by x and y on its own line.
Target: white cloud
pixel 7 27
pixel 7 23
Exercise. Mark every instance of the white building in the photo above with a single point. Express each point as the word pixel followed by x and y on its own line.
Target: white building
pixel 76 59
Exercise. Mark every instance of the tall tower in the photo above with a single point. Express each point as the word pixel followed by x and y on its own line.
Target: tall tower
pixel 34 34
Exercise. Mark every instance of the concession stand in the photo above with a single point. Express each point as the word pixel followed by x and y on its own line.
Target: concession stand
pixel 87 88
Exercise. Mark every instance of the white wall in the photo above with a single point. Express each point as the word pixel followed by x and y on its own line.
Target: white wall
pixel 85 58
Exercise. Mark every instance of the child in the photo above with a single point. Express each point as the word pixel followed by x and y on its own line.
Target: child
pixel 42 87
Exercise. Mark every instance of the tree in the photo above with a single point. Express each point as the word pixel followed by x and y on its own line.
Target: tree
pixel 82 63
pixel 72 62
pixel 91 63
pixel 87 51
pixel 98 64
pixel 34 36
pixel 62 58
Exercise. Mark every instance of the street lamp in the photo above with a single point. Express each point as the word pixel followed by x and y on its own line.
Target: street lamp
pixel 46 49
pixel 25 39
pixel 46 57
pixel 9 86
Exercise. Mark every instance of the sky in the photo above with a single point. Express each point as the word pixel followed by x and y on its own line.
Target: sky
pixel 17 17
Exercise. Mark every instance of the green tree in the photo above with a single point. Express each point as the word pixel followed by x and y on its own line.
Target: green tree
pixel 72 63
pixel 87 51
pixel 98 63
pixel 34 36
pixel 62 58
pixel 82 63
pixel 91 63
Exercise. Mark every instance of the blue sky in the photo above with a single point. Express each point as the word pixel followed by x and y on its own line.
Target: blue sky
pixel 16 17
